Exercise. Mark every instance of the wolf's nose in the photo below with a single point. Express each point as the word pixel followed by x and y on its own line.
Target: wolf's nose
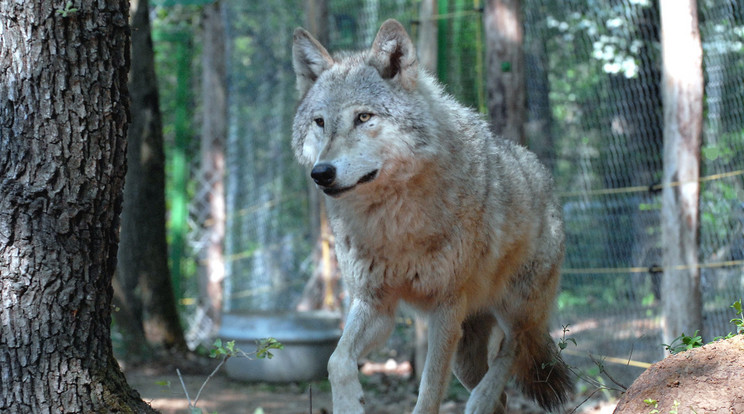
pixel 323 174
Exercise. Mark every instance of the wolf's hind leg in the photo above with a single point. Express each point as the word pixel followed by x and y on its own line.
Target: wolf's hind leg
pixel 366 327
pixel 471 359
pixel 494 353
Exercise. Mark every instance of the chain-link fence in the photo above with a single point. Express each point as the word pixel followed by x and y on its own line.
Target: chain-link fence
pixel 594 117
pixel 594 92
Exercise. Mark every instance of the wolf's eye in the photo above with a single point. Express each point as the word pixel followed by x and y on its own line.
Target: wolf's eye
pixel 319 122
pixel 364 117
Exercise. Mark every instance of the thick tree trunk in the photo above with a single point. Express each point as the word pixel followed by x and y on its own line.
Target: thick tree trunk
pixel 63 121
pixel 213 138
pixel 505 68
pixel 682 91
pixel 143 252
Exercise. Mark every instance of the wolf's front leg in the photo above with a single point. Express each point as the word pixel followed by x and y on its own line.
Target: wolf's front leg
pixel 445 330
pixel 367 326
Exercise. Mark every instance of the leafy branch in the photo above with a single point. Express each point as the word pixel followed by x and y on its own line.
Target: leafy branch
pixel 227 351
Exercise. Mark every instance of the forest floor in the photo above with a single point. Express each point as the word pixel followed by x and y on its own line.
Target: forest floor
pixel 386 394
pixel 601 378
pixel 707 379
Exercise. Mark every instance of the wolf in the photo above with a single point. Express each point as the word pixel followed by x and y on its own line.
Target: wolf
pixel 429 208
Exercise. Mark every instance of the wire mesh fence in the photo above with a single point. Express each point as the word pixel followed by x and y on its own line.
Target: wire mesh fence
pixel 594 117
pixel 599 74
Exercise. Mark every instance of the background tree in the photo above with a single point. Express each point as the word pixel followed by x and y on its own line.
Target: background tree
pixel 683 122
pixel 213 137
pixel 539 118
pixel 505 90
pixel 322 290
pixel 63 124
pixel 143 251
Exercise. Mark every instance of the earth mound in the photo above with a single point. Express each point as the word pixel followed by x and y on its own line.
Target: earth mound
pixel 709 380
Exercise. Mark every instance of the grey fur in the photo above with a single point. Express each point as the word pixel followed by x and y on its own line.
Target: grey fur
pixel 428 207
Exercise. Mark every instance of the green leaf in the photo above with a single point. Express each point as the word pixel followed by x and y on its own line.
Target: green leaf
pixel 711 153
pixel 265 345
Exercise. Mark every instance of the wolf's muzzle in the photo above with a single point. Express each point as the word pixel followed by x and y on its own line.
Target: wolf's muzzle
pixel 324 176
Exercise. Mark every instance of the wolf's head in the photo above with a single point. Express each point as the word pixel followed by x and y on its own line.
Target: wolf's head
pixel 360 117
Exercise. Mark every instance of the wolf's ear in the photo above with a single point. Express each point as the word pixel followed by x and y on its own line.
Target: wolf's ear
pixel 309 59
pixel 393 54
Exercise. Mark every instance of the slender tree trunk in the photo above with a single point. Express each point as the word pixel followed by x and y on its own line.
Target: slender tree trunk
pixel 63 122
pixel 682 92
pixel 505 68
pixel 143 252
pixel 316 19
pixel 213 138
pixel 427 36
pixel 539 121
pixel 427 48
pixel 321 291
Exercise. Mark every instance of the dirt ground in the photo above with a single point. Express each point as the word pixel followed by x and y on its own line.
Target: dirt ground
pixel 393 393
pixel 386 394
pixel 706 380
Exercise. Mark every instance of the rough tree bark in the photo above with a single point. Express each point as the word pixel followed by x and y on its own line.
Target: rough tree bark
pixel 505 68
pixel 682 92
pixel 63 122
pixel 143 251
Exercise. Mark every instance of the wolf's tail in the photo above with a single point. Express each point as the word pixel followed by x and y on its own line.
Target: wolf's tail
pixel 540 370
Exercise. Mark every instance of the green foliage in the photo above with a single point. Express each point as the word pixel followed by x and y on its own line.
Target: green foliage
pixel 654 405
pixel 684 343
pixel 738 321
pixel 226 351
pixel 265 345
pixel 67 10
pixel 563 343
